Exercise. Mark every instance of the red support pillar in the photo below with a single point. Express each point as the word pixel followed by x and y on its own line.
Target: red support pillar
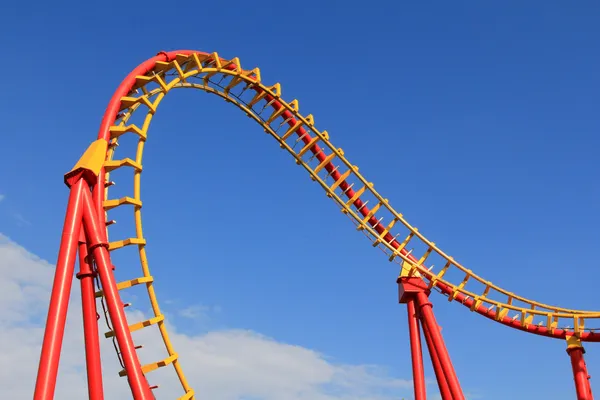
pixel 414 292
pixel 99 248
pixel 437 367
pixel 431 325
pixel 90 322
pixel 416 351
pixel 580 373
pixel 59 298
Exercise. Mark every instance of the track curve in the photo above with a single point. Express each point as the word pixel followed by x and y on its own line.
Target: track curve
pixel 147 85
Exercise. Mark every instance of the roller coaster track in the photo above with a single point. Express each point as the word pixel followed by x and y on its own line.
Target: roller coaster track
pixel 143 90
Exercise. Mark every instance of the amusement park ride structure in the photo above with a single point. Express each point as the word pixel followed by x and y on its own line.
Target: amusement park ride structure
pixel 424 267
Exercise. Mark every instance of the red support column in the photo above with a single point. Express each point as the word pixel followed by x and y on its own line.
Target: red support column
pixel 437 367
pixel 90 323
pixel 580 373
pixel 59 298
pixel 416 352
pixel 429 323
pixel 99 248
pixel 408 289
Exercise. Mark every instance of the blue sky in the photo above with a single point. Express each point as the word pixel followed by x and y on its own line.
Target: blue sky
pixel 477 120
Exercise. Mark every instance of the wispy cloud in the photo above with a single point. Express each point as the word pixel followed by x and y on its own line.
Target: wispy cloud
pixel 21 220
pixel 2 197
pixel 198 311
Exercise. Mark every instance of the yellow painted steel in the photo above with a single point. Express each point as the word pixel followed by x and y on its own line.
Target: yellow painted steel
pixel 93 158
pixel 196 71
pixel 573 342
pixel 139 325
pixel 110 204
pixel 151 367
pixel 128 284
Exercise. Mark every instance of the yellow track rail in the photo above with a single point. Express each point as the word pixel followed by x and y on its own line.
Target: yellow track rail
pixel 221 77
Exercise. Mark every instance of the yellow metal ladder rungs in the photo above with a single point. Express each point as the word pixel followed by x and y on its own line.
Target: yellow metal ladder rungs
pixel 209 75
pixel 275 89
pixel 254 74
pixel 340 180
pixel 195 62
pixel 236 80
pixel 464 281
pixel 326 161
pixel 325 135
pixel 276 114
pixel 258 97
pixel 552 322
pixel 292 129
pixel 110 204
pixel 501 313
pixel 187 396
pixel 139 325
pixel 526 319
pixel 161 66
pixel 381 236
pixel 116 131
pixel 426 255
pixel 179 70
pixel 236 63
pixel 405 242
pixel 127 102
pixel 161 82
pixel 476 303
pixel 127 242
pixel 182 58
pixel 141 80
pixel 128 284
pixel 435 278
pixel 357 194
pixel 151 367
pixel 111 165
pixel 308 146
pixel 214 58
pixel 371 212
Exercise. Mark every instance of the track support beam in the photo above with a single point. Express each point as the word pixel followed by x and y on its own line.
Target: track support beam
pixel 86 277
pixel 580 373
pixel 416 351
pixel 415 294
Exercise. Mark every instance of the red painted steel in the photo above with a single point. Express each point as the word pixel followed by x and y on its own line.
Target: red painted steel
pixel 59 298
pixel 428 320
pixel 90 323
pixel 580 374
pixel 437 366
pixel 99 248
pixel 416 351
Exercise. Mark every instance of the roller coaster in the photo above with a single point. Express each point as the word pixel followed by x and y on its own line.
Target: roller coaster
pixel 423 266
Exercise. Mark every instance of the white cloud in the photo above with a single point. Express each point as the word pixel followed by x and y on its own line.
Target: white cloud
pixel 220 365
pixel 21 220
pixel 2 197
pixel 195 312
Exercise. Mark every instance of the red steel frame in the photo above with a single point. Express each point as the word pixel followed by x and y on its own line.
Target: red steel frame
pixel 580 373
pixel 84 230
pixel 414 292
pixel 86 276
